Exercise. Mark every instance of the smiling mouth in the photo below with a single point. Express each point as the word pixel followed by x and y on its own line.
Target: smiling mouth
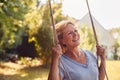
pixel 75 40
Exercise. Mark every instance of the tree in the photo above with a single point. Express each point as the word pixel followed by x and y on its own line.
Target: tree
pixel 11 22
pixel 87 38
pixel 44 36
pixel 116 34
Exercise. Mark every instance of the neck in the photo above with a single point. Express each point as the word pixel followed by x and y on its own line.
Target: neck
pixel 73 52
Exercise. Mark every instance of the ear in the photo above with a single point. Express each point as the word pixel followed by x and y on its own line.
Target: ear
pixel 61 41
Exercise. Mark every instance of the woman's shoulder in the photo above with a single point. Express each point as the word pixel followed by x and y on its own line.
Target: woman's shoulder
pixel 90 53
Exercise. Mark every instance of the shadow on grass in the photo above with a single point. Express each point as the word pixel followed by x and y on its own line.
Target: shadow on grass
pixel 27 73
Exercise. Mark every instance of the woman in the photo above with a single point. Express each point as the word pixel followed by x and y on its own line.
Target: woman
pixel 79 64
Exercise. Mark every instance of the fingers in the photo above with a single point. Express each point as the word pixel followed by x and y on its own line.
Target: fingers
pixel 100 50
pixel 56 51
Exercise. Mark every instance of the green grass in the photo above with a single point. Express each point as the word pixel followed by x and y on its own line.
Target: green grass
pixel 11 71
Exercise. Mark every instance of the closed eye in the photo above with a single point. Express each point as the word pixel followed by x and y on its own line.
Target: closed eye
pixel 72 32
pixel 69 33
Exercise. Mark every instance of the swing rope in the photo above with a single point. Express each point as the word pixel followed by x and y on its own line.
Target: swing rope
pixel 56 41
pixel 95 36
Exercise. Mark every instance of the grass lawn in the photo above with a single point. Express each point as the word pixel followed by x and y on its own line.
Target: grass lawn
pixel 12 71
pixel 113 70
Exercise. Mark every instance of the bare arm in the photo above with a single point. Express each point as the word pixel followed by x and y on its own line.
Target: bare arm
pixel 101 53
pixel 102 69
pixel 54 70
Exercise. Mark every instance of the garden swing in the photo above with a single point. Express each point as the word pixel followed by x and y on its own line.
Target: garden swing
pixel 56 38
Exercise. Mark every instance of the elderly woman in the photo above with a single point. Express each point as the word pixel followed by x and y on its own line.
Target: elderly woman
pixel 79 64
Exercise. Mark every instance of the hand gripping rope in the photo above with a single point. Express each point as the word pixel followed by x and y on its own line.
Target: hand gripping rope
pixel 95 36
pixel 56 41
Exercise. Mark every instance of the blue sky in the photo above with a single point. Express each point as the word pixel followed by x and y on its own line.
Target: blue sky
pixel 106 12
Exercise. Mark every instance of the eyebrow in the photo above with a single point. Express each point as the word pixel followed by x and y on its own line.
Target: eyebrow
pixel 75 28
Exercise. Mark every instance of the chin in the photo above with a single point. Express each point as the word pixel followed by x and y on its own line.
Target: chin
pixel 77 44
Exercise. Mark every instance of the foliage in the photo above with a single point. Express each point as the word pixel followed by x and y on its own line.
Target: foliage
pixel 27 17
pixel 44 36
pixel 87 38
pixel 16 19
pixel 12 23
pixel 29 62
pixel 116 34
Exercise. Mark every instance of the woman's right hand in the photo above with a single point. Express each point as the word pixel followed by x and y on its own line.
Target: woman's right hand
pixel 56 52
pixel 54 69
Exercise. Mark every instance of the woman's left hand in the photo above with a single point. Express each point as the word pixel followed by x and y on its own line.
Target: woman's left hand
pixel 100 51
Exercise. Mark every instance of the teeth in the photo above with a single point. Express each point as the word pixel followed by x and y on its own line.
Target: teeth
pixel 74 40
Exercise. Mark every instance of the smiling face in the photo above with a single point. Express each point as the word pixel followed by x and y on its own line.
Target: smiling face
pixel 71 37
